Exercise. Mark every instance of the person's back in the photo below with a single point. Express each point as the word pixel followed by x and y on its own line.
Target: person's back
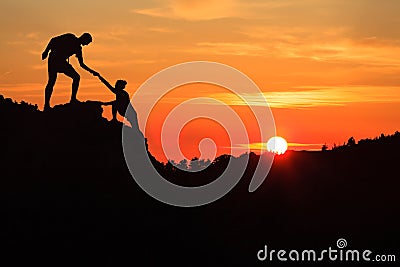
pixel 124 107
pixel 122 101
pixel 64 46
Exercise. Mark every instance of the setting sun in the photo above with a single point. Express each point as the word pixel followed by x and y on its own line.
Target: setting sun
pixel 277 145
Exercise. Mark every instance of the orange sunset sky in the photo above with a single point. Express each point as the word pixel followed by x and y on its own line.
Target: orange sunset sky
pixel 328 69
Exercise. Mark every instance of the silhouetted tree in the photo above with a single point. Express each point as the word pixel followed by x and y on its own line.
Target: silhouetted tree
pixel 194 164
pixel 351 141
pixel 183 164
pixel 324 147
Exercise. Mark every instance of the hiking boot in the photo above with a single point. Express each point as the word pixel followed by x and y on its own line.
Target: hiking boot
pixel 74 101
pixel 46 108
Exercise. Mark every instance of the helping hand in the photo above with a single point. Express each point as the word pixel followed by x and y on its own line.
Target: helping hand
pixel 95 73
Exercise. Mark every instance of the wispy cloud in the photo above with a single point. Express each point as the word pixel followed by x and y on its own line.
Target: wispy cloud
pixel 32 35
pixel 325 44
pixel 304 146
pixel 238 49
pixel 115 33
pixel 263 146
pixel 118 63
pixel 306 97
pixel 5 74
pixel 194 10
pixel 162 29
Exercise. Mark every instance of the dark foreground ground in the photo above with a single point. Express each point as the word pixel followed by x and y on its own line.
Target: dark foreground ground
pixel 66 197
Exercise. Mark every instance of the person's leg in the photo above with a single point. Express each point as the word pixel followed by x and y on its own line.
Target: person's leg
pixel 114 110
pixel 49 87
pixel 71 72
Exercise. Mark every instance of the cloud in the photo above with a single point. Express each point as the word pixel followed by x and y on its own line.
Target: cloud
pixel 16 43
pixel 193 10
pixel 323 44
pixel 263 146
pixel 311 96
pixel 118 63
pixel 115 33
pixel 334 96
pixel 221 48
pixel 303 145
pixel 162 29
pixel 5 74
pixel 39 66
pixel 32 35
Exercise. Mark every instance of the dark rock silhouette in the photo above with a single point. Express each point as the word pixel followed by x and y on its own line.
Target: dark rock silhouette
pixel 66 196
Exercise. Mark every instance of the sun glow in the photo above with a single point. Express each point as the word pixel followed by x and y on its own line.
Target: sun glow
pixel 277 145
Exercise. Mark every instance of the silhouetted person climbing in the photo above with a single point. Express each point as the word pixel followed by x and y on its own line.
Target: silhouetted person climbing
pixel 61 48
pixel 122 103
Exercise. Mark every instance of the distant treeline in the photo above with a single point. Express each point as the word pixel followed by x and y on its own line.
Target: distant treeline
pixel 351 142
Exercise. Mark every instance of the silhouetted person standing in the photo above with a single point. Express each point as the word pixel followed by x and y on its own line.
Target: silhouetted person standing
pixel 61 48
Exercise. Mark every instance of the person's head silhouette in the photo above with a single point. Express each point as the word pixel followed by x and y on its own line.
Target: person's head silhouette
pixel 120 84
pixel 85 38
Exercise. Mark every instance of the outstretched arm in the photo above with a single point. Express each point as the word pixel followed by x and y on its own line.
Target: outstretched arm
pixel 47 50
pixel 83 65
pixel 112 89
